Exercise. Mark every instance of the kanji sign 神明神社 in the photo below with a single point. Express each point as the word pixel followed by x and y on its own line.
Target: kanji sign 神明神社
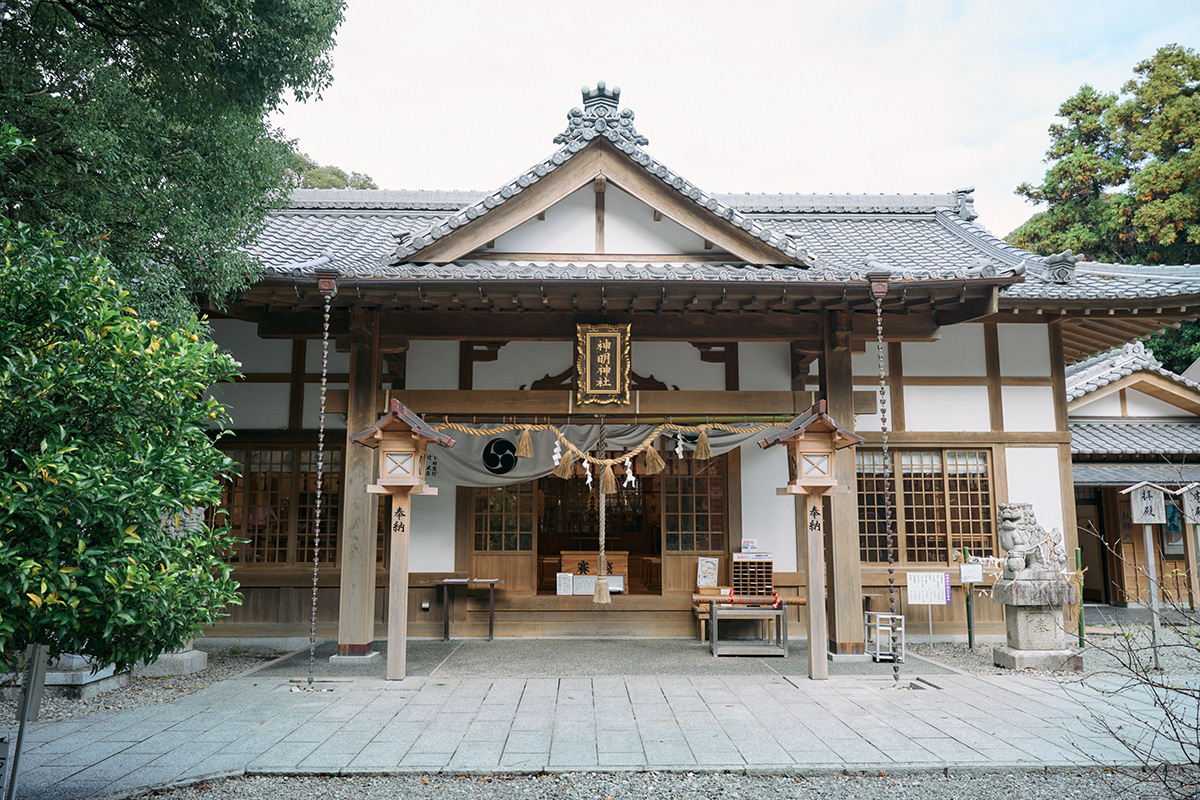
pixel 602 364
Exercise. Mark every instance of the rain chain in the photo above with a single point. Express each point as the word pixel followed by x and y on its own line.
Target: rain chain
pixel 316 543
pixel 889 525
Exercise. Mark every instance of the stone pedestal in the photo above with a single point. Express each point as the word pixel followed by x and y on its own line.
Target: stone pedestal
pixel 185 661
pixel 1033 614
pixel 70 676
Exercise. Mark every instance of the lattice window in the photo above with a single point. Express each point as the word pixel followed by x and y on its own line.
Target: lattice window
pixel 503 517
pixel 969 501
pixel 943 502
pixel 694 496
pixel 272 504
pixel 924 507
pixel 872 520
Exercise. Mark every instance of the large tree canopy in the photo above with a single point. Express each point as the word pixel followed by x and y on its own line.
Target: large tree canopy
pixel 305 173
pixel 1123 183
pixel 106 436
pixel 147 119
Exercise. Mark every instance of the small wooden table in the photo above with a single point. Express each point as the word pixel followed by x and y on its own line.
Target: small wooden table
pixel 763 647
pixel 447 599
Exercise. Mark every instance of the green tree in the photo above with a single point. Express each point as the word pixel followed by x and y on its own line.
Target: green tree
pixel 147 119
pixel 305 173
pixel 1123 183
pixel 106 433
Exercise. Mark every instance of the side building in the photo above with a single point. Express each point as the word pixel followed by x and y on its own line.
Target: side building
pixel 743 310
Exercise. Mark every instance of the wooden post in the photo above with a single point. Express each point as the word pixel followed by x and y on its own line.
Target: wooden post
pixel 845 571
pixel 397 651
pixel 356 612
pixel 1191 536
pixel 818 663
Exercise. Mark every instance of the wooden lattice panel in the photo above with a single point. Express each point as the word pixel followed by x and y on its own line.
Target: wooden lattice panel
pixel 753 578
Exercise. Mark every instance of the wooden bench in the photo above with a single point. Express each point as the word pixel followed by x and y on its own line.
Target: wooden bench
pixel 702 604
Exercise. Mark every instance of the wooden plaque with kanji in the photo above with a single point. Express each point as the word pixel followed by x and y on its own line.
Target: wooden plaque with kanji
pixel 602 364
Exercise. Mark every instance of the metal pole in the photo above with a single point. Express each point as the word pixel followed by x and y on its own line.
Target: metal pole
pixel 35 677
pixel 1152 578
pixel 1079 572
pixel 970 617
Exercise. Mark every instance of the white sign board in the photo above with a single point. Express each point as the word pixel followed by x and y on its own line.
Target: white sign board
pixel 616 583
pixel 585 584
pixel 1147 507
pixel 1191 505
pixel 755 556
pixel 970 573
pixel 929 588
pixel 565 583
pixel 749 545
pixel 706 571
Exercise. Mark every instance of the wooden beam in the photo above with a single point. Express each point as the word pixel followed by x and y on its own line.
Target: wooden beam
pixel 600 184
pixel 971 309
pixel 648 326
pixel 492 404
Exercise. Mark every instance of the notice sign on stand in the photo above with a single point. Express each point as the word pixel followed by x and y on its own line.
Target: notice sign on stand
pixel 929 588
pixel 565 583
pixel 970 573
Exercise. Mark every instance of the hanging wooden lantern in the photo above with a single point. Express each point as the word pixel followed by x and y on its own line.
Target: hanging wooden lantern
pixel 811 440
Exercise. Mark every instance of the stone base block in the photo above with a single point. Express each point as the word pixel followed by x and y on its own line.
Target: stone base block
pixel 1035 593
pixel 1055 660
pixel 184 662
pixel 73 684
pixel 371 656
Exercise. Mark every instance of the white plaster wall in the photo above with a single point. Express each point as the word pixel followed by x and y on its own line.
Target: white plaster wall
pixel 765 515
pixel 431 365
pixel 959 352
pixel 569 227
pixel 338 362
pixel 1033 478
pixel 431 545
pixel 1143 405
pixel 310 418
pixel 764 367
pixel 1028 408
pixel 629 227
pixel 1107 406
pixel 946 408
pixel 241 340
pixel 521 363
pixel 870 423
pixel 866 365
pixel 254 405
pixel 1024 350
pixel 677 364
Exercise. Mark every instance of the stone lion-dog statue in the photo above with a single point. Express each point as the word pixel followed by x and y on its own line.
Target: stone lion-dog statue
pixel 1032 553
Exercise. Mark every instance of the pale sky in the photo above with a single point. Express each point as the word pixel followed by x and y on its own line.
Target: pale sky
pixel 859 96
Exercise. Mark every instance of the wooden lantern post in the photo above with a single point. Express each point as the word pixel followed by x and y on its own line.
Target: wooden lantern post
pixel 811 440
pixel 401 437
pixel 1190 498
pixel 1147 507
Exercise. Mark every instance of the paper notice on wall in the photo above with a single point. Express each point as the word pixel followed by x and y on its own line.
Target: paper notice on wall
pixel 749 545
pixel 929 588
pixel 706 571
pixel 565 583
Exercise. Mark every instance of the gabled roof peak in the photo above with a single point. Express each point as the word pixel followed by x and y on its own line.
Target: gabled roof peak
pixel 599 117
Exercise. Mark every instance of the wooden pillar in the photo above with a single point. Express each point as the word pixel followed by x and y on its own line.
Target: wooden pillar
pixel 841 538
pixel 359 512
pixel 397 650
pixel 818 662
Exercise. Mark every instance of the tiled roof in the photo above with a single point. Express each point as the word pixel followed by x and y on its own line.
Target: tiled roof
pixel 1135 437
pixel 1088 474
pixel 372 233
pixel 1094 373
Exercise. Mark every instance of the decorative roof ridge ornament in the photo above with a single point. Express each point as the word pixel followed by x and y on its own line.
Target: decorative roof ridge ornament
pixel 1060 267
pixel 599 117
pixel 965 198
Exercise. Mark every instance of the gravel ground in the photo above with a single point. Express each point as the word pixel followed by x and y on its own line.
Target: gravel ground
pixel 1107 650
pixel 676 786
pixel 223 662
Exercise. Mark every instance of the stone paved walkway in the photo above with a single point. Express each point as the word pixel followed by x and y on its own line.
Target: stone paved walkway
pixel 763 722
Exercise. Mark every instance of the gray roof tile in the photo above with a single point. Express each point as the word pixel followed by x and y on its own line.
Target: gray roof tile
pixel 1135 437
pixel 1088 474
pixel 1088 376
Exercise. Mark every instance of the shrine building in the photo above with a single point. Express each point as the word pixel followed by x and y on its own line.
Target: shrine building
pixel 733 314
